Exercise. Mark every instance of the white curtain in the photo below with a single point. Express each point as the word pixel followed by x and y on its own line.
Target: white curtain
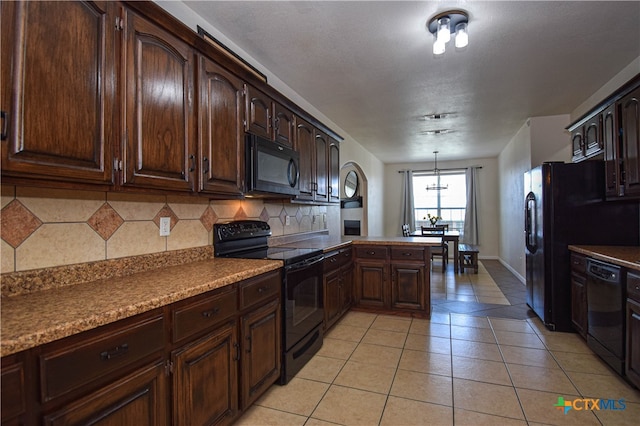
pixel 407 210
pixel 470 233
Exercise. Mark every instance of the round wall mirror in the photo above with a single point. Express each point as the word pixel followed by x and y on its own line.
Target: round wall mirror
pixel 351 184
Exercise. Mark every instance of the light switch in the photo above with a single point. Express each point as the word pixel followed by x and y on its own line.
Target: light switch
pixel 287 220
pixel 165 226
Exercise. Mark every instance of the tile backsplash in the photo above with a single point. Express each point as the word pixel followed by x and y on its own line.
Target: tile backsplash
pixel 43 228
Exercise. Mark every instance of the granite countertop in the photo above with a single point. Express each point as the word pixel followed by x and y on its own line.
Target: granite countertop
pixel 46 314
pixel 627 256
pixel 33 319
pixel 328 243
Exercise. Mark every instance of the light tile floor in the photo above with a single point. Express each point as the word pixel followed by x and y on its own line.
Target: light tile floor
pixel 455 368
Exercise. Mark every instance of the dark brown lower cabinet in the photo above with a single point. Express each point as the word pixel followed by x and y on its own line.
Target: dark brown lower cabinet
pixel 137 399
pixel 632 355
pixel 205 379
pixel 338 285
pixel 261 350
pixel 579 293
pixel 189 363
pixel 393 278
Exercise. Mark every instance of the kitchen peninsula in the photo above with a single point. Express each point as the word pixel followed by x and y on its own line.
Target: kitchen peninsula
pixel 121 334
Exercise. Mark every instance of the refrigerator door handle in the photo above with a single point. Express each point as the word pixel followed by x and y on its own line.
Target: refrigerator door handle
pixel 530 222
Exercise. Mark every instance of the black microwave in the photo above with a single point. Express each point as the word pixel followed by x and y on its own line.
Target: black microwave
pixel 271 168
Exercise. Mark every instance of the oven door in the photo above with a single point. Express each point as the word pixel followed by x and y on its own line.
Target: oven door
pixel 303 307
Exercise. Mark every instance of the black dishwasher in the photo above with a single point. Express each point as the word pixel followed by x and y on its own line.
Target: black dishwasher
pixel 605 313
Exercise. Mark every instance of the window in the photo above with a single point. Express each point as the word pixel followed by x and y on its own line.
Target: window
pixel 450 204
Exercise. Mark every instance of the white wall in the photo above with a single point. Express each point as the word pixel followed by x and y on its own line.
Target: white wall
pixel 513 161
pixel 487 204
pixel 549 139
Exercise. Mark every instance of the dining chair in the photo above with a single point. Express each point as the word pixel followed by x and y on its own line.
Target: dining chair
pixel 441 250
pixel 406 231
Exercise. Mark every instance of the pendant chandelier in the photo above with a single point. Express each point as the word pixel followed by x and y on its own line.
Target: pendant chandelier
pixel 436 186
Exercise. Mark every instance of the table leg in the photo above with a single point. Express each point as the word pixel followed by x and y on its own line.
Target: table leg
pixel 455 256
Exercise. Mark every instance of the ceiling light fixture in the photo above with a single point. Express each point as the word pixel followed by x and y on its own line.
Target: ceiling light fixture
pixel 445 23
pixel 436 186
pixel 436 132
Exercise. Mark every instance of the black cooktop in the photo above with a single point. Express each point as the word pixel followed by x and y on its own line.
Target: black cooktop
pixel 247 239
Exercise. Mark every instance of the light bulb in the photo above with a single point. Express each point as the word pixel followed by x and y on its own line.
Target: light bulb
pixel 438 47
pixel 444 30
pixel 462 37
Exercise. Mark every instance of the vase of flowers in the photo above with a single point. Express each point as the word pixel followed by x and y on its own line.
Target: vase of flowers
pixel 433 219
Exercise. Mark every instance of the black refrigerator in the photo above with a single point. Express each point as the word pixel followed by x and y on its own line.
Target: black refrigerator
pixel 565 204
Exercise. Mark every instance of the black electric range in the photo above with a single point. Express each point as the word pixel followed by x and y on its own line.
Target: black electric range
pixel 302 291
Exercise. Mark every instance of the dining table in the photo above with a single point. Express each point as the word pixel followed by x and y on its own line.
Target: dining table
pixel 453 236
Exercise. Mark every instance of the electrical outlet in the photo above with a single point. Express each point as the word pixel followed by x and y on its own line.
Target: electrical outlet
pixel 314 219
pixel 324 218
pixel 165 226
pixel 287 220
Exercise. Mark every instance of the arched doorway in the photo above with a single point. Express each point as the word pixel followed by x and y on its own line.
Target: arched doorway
pixel 353 210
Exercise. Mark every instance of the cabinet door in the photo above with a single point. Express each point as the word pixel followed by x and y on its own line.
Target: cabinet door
pixel 159 147
pixel 259 113
pixel 261 349
pixel 13 388
pixel 58 90
pixel 283 125
pixel 370 284
pixel 630 118
pixel 579 304
pixel 577 144
pixel 334 171
pixel 321 181
pixel 306 146
pixel 346 287
pixel 221 130
pixel 610 138
pixel 407 286
pixel 332 298
pixel 633 342
pixel 593 135
pixel 205 380
pixel 138 399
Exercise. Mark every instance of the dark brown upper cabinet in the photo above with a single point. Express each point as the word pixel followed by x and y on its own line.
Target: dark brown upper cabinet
pixel 305 141
pixel 630 123
pixel 58 90
pixel 221 124
pixel 158 87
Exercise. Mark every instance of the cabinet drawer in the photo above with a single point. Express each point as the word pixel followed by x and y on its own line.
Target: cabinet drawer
pixel 371 252
pixel 633 286
pixel 259 289
pixel 578 263
pixel 331 262
pixel 206 312
pixel 345 256
pixel 415 254
pixel 95 354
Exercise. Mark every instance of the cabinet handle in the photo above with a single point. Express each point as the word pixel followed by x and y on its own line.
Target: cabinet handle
pixel 192 161
pixel 210 312
pixel 5 120
pixel 406 254
pixel 263 289
pixel 333 260
pixel 205 160
pixel 249 344
pixel 237 346
pixel 371 253
pixel 115 352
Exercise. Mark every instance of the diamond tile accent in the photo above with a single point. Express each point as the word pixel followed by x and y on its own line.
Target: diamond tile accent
pixel 166 212
pixel 105 221
pixel 17 223
pixel 299 215
pixel 240 214
pixel 208 218
pixel 283 216
pixel 264 216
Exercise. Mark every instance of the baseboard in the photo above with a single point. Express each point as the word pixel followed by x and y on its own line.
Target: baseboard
pixel 513 271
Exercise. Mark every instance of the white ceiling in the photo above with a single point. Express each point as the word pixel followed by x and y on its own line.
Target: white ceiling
pixel 368 66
